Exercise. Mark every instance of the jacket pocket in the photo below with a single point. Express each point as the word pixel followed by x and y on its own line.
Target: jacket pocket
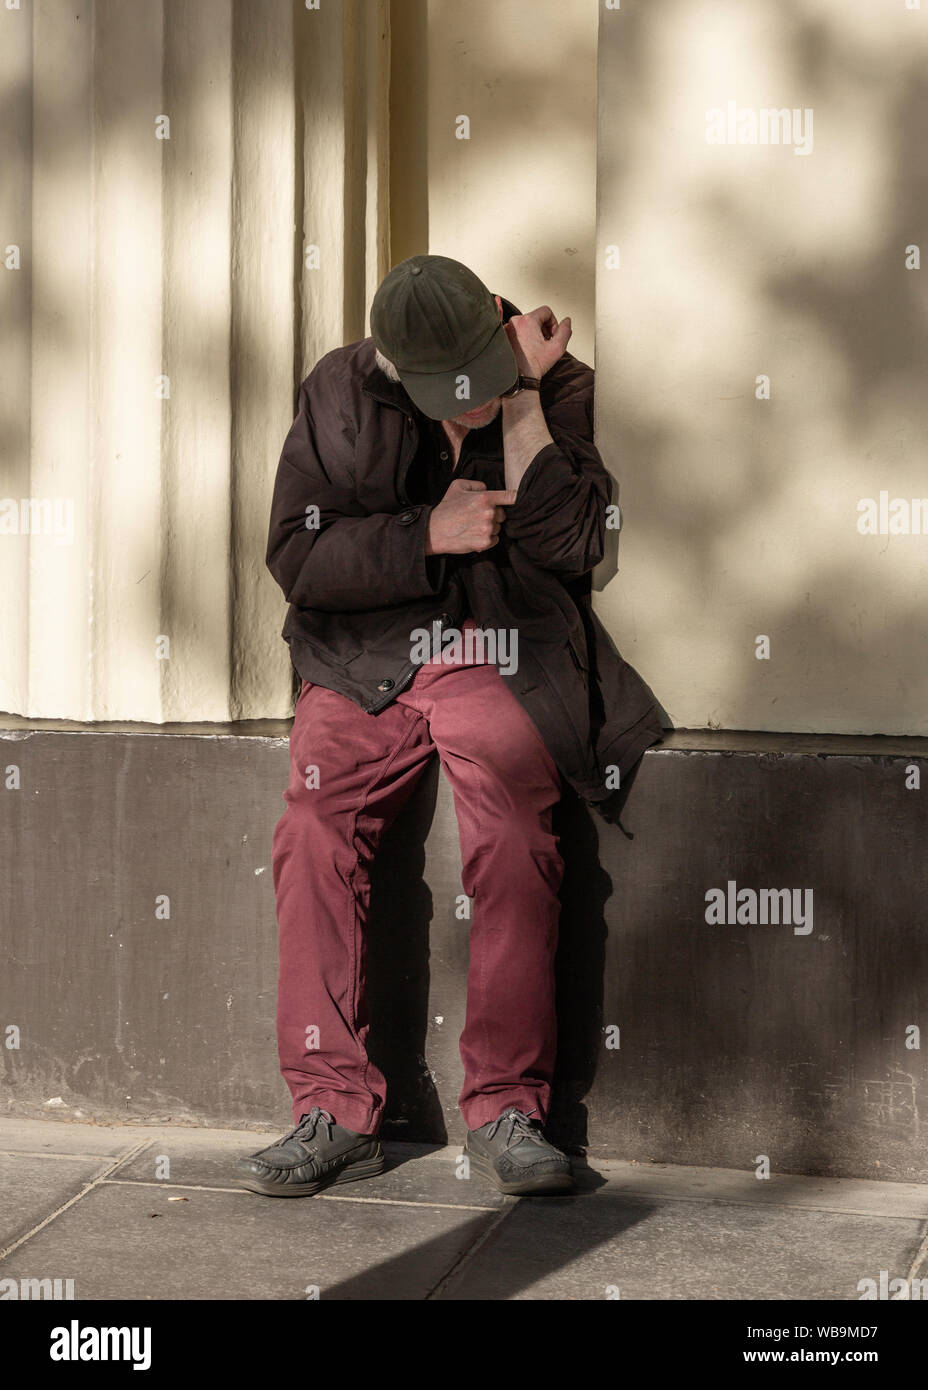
pixel 336 638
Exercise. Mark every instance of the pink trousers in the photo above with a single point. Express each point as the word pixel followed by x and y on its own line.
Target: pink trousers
pixel 350 774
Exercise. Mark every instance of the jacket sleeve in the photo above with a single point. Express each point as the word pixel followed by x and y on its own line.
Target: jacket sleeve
pixel 559 515
pixel 341 558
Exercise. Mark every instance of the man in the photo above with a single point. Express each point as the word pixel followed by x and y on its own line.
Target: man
pixel 397 513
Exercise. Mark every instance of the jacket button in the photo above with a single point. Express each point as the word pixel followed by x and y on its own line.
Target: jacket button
pixel 409 516
pixel 386 684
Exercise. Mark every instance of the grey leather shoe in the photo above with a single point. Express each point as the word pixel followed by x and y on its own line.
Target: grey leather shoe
pixel 317 1153
pixel 512 1153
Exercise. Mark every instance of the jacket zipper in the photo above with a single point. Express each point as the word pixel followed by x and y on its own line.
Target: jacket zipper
pixel 404 679
pixel 406 676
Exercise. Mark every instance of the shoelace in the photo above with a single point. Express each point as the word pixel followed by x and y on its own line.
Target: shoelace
pixel 520 1123
pixel 306 1129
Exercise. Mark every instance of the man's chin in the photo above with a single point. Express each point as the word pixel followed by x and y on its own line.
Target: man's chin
pixel 476 419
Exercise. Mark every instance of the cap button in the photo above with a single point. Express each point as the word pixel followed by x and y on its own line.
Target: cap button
pixel 416 270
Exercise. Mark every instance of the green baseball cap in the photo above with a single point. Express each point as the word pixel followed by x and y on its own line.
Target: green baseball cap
pixel 440 327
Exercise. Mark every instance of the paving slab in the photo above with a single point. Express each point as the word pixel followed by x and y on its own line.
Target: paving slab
pixel 31 1189
pixel 860 1196
pixel 132 1241
pixel 576 1249
pixel 57 1137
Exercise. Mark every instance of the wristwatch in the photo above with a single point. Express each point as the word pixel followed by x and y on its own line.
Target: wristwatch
pixel 524 383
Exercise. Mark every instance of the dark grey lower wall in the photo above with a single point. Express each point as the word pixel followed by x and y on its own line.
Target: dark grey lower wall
pixel 736 1039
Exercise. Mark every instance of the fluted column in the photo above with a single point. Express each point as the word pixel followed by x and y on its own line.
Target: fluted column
pixel 196 198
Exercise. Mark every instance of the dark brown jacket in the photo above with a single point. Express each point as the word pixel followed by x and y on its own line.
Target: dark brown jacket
pixel 359 582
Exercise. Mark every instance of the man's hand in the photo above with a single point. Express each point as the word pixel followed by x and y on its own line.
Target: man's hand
pixel 537 340
pixel 467 518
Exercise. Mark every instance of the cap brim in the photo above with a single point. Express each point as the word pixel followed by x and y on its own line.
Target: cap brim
pixel 441 395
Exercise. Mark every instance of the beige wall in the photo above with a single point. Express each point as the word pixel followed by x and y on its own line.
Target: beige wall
pixel 181 259
pixel 516 201
pixel 184 258
pixel 740 515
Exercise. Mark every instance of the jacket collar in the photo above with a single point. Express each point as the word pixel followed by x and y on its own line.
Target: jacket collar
pixel 378 384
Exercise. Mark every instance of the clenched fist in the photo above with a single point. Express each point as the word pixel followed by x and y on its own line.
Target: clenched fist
pixel 538 340
pixel 467 518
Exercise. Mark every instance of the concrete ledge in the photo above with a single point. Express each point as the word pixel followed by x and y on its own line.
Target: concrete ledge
pixel 736 1040
pixel 675 740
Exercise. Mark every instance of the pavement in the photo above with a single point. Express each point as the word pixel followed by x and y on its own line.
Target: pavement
pixel 136 1212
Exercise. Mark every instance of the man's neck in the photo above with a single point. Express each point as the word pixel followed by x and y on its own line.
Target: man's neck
pixel 455 434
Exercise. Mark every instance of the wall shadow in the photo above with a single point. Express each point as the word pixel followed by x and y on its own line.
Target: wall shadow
pixel 398 972
pixel 400 944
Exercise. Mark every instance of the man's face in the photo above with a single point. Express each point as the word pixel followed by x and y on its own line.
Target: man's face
pixel 476 419
pixel 484 414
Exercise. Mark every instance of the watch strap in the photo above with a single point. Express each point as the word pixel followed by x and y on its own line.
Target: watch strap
pixel 524 383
